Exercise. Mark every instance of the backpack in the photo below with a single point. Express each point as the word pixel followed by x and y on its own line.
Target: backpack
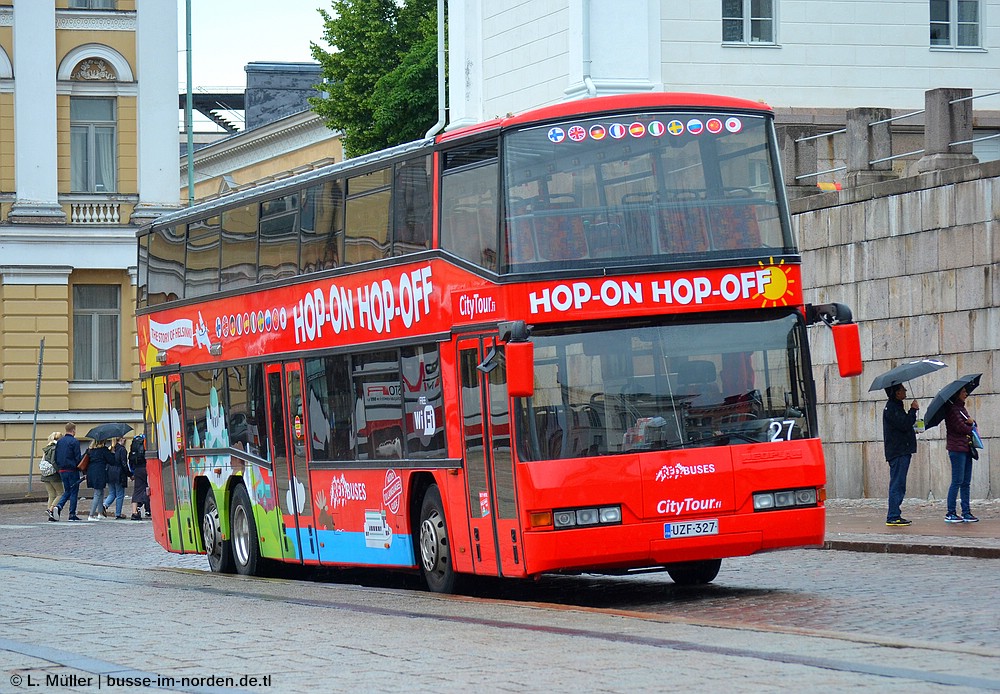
pixel 137 453
pixel 46 467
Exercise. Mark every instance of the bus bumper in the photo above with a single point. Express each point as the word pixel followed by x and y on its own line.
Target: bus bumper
pixel 644 545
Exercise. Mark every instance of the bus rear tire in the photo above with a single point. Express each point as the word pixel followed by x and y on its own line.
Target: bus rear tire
pixel 245 543
pixel 434 545
pixel 218 550
pixel 694 573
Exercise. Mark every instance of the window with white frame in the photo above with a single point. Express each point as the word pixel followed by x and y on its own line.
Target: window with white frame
pixel 92 4
pixel 96 332
pixel 748 21
pixel 955 23
pixel 93 160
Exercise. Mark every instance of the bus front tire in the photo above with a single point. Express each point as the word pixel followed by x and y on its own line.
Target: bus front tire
pixel 434 545
pixel 694 573
pixel 245 544
pixel 218 550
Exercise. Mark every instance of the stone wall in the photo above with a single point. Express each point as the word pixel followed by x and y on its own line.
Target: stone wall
pixel 917 260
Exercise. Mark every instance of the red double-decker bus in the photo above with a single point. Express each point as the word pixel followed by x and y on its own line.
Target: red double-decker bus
pixel 570 340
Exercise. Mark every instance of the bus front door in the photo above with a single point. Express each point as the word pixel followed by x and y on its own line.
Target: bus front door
pixel 489 464
pixel 288 452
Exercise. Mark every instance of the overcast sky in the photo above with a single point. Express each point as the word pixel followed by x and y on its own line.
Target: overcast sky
pixel 228 34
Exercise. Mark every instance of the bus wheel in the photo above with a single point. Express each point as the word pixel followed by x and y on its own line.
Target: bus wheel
pixel 435 551
pixel 245 545
pixel 219 551
pixel 695 573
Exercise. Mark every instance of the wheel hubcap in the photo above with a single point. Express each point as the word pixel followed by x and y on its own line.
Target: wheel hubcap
pixel 211 532
pixel 430 546
pixel 241 535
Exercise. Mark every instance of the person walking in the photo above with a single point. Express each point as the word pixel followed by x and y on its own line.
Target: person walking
pixel 959 425
pixel 68 459
pixel 117 475
pixel 140 487
pixel 101 458
pixel 52 482
pixel 900 442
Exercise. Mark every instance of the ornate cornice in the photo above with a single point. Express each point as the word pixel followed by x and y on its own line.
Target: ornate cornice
pixel 95 21
pixel 6 16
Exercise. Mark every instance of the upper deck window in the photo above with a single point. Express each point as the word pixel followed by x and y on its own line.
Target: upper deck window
pixel 639 188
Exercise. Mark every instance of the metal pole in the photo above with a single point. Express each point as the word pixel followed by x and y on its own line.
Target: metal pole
pixel 188 123
pixel 34 424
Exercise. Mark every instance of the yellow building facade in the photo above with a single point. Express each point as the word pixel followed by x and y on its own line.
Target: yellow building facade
pixel 88 123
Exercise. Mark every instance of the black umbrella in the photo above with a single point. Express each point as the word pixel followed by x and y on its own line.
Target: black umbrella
pixel 906 372
pixel 937 410
pixel 103 432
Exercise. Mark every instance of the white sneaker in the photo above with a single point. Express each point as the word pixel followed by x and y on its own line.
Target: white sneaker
pixel 93 518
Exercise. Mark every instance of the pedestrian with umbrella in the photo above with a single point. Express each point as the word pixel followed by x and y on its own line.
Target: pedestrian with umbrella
pixel 949 405
pixel 898 430
pixel 900 439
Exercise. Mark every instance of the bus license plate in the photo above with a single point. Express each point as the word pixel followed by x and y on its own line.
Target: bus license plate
pixel 691 528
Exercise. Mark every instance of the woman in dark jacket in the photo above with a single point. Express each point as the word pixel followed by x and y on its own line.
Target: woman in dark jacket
pixel 117 479
pixel 959 425
pixel 101 458
pixel 137 464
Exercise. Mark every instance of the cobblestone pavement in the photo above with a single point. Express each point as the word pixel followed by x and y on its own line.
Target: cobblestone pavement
pixel 836 619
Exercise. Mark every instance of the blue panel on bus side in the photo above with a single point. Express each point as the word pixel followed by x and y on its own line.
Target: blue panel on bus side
pixel 341 547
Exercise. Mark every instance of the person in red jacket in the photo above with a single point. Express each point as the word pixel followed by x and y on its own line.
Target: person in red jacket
pixel 959 426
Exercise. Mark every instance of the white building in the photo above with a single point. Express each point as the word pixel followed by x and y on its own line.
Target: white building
pixel 807 59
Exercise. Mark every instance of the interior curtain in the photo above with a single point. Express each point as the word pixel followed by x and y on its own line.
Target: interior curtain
pixel 104 160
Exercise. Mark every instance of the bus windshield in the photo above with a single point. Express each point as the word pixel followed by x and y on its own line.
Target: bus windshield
pixel 663 386
pixel 625 189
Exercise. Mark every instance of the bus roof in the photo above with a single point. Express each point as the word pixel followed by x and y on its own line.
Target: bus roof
pixel 618 102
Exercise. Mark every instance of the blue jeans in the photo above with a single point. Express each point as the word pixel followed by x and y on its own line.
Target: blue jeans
pixel 71 483
pixel 116 493
pixel 961 476
pixel 96 505
pixel 898 467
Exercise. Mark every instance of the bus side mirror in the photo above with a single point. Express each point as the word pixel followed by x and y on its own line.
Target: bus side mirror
pixel 847 343
pixel 520 369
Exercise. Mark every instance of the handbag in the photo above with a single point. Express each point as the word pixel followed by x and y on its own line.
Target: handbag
pixel 974 439
pixel 82 467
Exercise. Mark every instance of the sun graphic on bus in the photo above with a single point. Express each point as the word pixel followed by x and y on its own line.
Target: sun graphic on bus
pixel 777 289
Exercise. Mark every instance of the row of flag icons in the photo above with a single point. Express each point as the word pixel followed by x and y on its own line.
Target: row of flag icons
pixel 253 322
pixel 616 131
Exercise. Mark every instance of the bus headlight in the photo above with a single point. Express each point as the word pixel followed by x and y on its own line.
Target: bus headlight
pixel 579 517
pixel 564 519
pixel 785 498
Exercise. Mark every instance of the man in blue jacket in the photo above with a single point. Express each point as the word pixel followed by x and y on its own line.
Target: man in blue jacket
pixel 900 444
pixel 67 462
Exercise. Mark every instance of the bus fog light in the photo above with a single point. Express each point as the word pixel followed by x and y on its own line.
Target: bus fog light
pixel 611 514
pixel 805 497
pixel 564 519
pixel 586 516
pixel 784 499
pixel 762 502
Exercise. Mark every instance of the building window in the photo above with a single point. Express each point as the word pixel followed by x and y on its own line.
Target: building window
pixel 955 23
pixel 96 332
pixel 93 126
pixel 748 21
pixel 92 4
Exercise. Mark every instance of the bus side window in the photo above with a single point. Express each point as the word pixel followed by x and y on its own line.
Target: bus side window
pixel 469 214
pixel 412 205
